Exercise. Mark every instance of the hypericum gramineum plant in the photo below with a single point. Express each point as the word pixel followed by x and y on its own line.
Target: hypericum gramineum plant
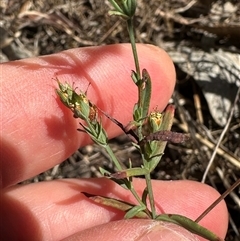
pixel 150 143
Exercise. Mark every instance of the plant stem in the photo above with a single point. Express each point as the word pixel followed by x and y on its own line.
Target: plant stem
pixel 150 194
pixel 113 157
pixel 147 176
pixel 131 189
pixel 134 193
pixel 133 44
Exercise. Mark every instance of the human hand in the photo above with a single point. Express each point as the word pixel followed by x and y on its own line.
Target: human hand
pixel 38 132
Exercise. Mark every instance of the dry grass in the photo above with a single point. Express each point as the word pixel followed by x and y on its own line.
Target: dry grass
pixel 33 28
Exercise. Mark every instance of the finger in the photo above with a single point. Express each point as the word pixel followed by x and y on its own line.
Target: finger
pixel 57 209
pixel 39 132
pixel 136 229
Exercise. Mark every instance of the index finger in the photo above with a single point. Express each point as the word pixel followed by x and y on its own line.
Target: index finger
pixel 38 132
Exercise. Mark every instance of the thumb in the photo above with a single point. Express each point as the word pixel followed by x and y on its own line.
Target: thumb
pixel 135 229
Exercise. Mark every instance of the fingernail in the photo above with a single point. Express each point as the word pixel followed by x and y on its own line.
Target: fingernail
pixel 166 231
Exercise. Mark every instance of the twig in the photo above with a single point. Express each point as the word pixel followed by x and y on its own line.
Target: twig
pixel 221 137
pixel 215 203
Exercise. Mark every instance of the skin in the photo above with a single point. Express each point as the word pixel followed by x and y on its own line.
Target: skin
pixel 38 132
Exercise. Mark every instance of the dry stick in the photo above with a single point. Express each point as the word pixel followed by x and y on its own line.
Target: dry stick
pixel 220 151
pixel 185 8
pixel 221 137
pixel 187 123
pixel 197 104
pixel 106 35
pixel 226 184
pixel 217 201
pixel 233 195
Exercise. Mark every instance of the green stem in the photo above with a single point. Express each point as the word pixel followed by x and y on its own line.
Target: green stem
pixel 134 193
pixel 133 44
pixel 132 190
pixel 150 194
pixel 113 157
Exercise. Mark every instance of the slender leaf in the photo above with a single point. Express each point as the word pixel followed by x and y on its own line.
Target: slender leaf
pixel 134 212
pixel 190 225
